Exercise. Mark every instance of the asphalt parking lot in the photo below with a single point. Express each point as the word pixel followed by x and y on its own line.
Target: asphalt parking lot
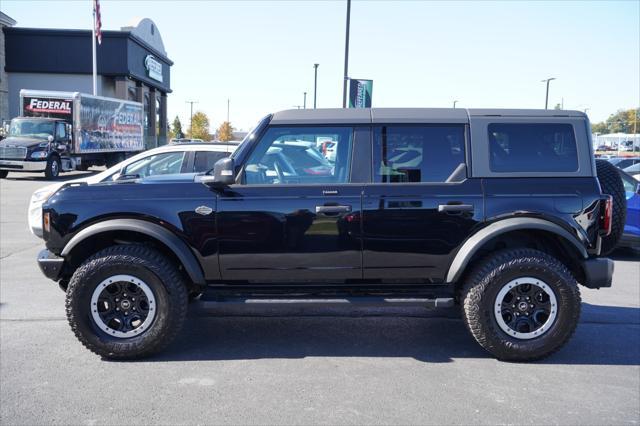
pixel 310 365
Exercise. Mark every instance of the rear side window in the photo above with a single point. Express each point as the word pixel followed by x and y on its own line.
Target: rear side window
pixel 404 154
pixel 204 160
pixel 542 147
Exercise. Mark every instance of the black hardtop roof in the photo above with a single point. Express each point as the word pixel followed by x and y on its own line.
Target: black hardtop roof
pixel 406 115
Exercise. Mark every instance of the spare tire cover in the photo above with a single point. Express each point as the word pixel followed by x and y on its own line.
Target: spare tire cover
pixel 611 183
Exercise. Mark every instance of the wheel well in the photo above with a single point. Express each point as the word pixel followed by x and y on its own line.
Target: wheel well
pixel 91 245
pixel 544 241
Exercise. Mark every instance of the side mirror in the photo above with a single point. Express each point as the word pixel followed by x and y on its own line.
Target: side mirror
pixel 50 138
pixel 223 172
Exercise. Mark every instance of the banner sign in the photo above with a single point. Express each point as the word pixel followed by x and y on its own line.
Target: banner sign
pixel 360 93
pixel 110 125
pixel 33 106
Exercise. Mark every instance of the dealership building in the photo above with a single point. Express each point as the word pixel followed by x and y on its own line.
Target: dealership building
pixel 132 64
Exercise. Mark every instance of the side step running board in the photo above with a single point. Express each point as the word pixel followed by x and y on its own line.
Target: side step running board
pixel 359 301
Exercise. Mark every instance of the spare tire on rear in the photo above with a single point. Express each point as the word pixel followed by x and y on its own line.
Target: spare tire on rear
pixel 611 183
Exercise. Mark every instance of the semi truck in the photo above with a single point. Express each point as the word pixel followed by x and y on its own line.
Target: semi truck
pixel 64 131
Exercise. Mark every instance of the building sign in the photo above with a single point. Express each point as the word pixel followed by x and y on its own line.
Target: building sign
pixel 47 107
pixel 154 68
pixel 360 93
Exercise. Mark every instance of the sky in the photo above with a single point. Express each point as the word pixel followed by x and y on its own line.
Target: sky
pixel 260 54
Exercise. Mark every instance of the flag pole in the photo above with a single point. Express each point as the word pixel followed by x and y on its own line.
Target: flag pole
pixel 93 45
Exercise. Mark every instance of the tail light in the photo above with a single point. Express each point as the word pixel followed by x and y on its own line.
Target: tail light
pixel 606 216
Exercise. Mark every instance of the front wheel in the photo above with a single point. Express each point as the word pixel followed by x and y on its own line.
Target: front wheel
pixel 126 301
pixel 521 304
pixel 52 171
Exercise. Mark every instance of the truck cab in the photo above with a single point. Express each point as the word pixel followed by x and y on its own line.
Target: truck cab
pixel 35 144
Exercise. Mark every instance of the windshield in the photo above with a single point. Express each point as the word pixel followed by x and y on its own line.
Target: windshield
pixel 31 128
pixel 244 145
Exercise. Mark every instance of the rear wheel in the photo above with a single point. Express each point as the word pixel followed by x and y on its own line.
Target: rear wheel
pixel 126 301
pixel 521 304
pixel 3 174
pixel 52 171
pixel 611 183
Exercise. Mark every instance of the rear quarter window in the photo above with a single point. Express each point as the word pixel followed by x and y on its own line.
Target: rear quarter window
pixel 539 147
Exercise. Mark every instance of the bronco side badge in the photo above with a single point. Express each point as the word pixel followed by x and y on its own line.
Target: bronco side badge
pixel 204 210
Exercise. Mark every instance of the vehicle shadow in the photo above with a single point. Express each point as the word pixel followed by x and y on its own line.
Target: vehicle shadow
pixel 607 335
pixel 41 177
pixel 625 254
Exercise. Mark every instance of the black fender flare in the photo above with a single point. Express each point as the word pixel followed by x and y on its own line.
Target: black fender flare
pixel 473 244
pixel 175 244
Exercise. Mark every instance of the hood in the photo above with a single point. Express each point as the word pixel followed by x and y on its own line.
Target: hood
pixel 22 142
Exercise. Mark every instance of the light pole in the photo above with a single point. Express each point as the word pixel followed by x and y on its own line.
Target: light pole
pixel 191 118
pixel 346 57
pixel 315 83
pixel 304 103
pixel 454 103
pixel 228 102
pixel 546 99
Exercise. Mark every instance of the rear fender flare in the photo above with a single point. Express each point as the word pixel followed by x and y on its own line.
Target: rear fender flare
pixel 172 241
pixel 475 242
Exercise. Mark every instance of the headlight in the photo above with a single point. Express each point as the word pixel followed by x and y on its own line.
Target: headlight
pixel 39 155
pixel 42 195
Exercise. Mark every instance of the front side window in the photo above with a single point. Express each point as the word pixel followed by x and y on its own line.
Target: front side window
pixel 159 164
pixel 298 155
pixel 539 147
pixel 60 132
pixel 403 154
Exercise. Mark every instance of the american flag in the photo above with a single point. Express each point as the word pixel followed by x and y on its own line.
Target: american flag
pixel 98 21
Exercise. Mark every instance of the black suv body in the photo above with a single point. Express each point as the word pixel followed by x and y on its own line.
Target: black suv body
pixel 500 211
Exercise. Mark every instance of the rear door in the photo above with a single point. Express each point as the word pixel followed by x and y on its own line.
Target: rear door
pixel 421 206
pixel 295 216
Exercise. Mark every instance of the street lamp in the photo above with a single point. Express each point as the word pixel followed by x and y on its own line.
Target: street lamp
pixel 546 99
pixel 454 103
pixel 315 83
pixel 346 57
pixel 191 118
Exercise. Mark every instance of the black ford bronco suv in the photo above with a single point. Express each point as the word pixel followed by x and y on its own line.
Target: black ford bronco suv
pixel 503 212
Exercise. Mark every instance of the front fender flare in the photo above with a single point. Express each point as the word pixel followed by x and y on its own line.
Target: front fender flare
pixel 172 241
pixel 473 244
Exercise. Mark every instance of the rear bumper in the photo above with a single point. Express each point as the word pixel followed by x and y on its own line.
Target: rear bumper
pixel 50 264
pixel 23 166
pixel 598 272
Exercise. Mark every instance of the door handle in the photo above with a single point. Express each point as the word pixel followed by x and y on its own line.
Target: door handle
pixel 332 210
pixel 455 208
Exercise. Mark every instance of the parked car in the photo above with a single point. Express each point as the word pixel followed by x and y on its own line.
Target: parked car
pixel 506 224
pixel 624 162
pixel 192 158
pixel 631 235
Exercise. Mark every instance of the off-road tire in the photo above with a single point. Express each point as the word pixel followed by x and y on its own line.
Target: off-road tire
pixel 159 273
pixel 485 281
pixel 3 174
pixel 52 170
pixel 611 183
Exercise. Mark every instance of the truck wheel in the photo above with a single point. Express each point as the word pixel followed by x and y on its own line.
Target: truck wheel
pixel 52 170
pixel 3 174
pixel 611 183
pixel 126 301
pixel 114 159
pixel 521 304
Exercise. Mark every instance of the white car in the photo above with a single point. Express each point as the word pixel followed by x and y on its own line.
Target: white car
pixel 634 171
pixel 170 159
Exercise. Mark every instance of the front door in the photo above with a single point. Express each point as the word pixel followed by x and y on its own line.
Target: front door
pixel 421 206
pixel 295 216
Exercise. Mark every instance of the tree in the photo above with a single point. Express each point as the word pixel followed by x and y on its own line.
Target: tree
pixel 176 129
pixel 199 128
pixel 623 121
pixel 558 107
pixel 225 132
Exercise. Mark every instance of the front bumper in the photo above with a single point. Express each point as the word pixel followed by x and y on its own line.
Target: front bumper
pixel 50 264
pixel 23 166
pixel 598 272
